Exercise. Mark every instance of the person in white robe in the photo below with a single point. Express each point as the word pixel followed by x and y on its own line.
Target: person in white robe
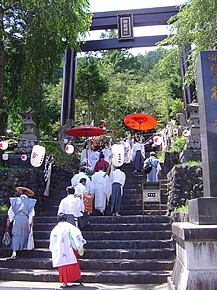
pixel 77 177
pixel 81 191
pixel 72 205
pixel 127 151
pixel 94 158
pixel 138 155
pixel 118 182
pixel 80 188
pixel 86 156
pixel 107 153
pixel 101 189
pixel 65 242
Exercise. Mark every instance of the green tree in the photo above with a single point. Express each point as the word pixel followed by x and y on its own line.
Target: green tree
pixel 33 37
pixel 91 84
pixel 194 27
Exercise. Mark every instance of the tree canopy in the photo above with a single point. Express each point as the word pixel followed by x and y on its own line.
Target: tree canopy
pixel 194 28
pixel 33 37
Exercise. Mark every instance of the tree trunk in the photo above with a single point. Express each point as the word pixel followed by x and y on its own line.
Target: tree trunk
pixel 2 108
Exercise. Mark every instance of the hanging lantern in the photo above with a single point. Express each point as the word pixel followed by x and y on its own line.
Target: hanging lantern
pixel 157 140
pixel 175 131
pixel 37 155
pixel 186 133
pixel 23 157
pixel 69 149
pixel 117 151
pixel 5 156
pixel 3 145
pixel 168 126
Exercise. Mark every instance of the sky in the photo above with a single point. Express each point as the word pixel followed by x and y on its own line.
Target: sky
pixel 111 5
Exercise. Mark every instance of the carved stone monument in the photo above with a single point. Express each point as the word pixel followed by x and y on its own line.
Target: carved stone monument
pixel 196 241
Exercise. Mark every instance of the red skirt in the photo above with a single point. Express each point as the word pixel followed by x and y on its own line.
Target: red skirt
pixel 70 273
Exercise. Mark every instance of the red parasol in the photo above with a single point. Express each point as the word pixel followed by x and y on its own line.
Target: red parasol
pixel 85 131
pixel 140 122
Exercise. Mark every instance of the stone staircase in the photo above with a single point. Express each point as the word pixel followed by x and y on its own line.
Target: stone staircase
pixel 130 249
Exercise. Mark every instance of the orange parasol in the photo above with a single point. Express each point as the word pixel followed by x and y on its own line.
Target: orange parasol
pixel 140 122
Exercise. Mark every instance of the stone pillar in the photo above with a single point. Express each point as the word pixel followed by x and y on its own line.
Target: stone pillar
pixel 203 210
pixel 68 88
pixel 196 255
pixel 196 242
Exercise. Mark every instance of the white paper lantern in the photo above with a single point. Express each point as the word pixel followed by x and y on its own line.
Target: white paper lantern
pixel 175 131
pixel 158 140
pixel 69 149
pixel 186 133
pixel 23 157
pixel 5 156
pixel 37 155
pixel 3 145
pixel 117 151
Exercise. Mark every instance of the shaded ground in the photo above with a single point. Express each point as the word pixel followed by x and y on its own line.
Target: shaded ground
pixel 16 285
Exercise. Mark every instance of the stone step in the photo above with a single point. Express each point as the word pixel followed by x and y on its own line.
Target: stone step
pixel 132 200
pixel 129 194
pixel 120 277
pixel 111 227
pixel 111 244
pixel 155 206
pixel 128 212
pixel 138 219
pixel 149 211
pixel 125 264
pixel 149 253
pixel 125 210
pixel 114 235
pixel 91 264
pixel 155 254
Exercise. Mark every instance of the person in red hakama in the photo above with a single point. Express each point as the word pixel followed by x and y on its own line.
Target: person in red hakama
pixel 66 242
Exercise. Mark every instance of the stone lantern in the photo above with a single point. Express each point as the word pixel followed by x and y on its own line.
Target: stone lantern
pixel 28 138
pixel 192 150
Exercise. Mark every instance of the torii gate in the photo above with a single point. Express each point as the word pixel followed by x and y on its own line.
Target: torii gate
pixel 124 21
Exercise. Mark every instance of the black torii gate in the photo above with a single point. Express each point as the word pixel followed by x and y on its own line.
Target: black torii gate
pixel 114 20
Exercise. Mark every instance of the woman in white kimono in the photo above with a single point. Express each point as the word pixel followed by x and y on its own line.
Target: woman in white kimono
pixel 65 242
pixel 101 189
pixel 21 212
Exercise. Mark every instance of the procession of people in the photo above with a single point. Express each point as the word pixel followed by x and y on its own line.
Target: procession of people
pixel 106 182
pixel 87 192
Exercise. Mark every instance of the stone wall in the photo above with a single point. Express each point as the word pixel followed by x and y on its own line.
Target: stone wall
pixel 184 182
pixel 32 178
